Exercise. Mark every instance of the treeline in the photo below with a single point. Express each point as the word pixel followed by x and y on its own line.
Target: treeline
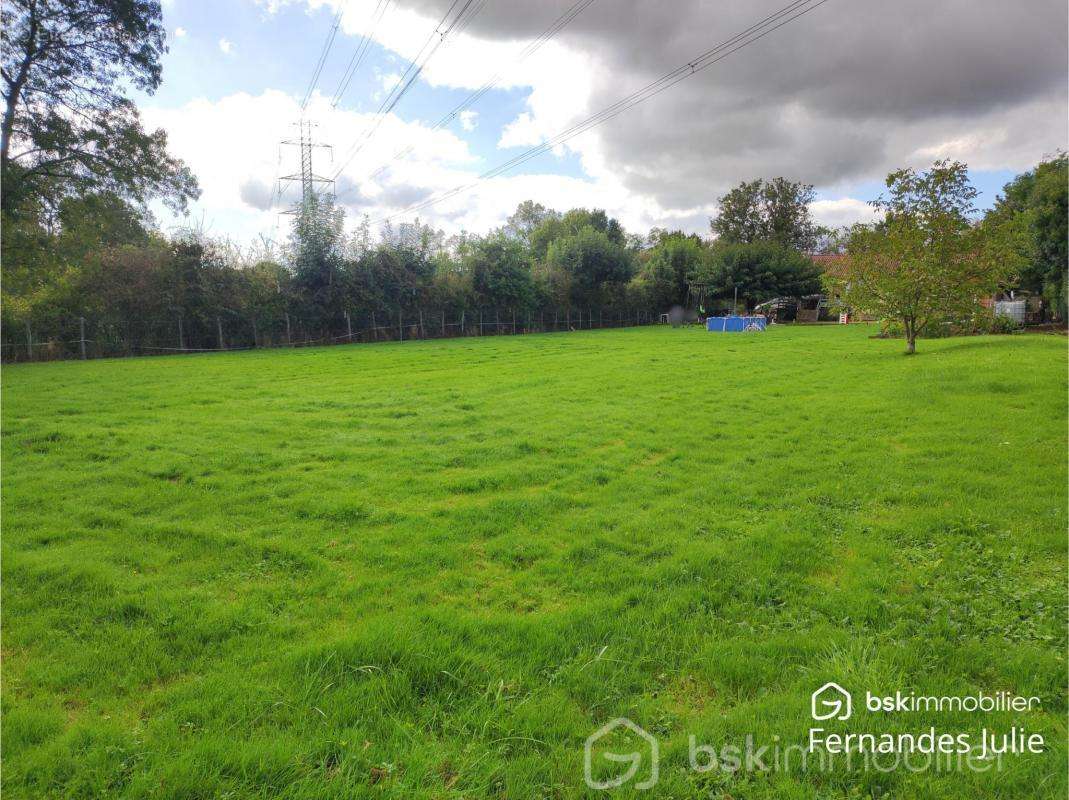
pixel 94 274
pixel 101 271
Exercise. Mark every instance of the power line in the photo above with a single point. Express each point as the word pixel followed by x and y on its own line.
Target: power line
pixel 557 25
pixel 360 53
pixel 406 80
pixel 743 39
pixel 408 77
pixel 323 57
pixel 474 13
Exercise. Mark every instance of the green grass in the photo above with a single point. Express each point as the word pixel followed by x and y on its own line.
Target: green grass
pixel 431 570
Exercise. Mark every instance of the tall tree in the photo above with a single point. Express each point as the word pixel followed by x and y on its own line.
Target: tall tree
pixel 500 273
pixel 553 226
pixel 668 266
pixel 592 259
pixel 528 216
pixel 740 219
pixel 759 271
pixel 1040 199
pixel 927 261
pixel 316 256
pixel 67 126
pixel 767 211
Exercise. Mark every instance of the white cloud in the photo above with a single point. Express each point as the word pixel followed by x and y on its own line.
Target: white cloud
pixel 273 6
pixel 179 33
pixel 844 211
pixel 226 46
pixel 467 120
pixel 521 132
pixel 994 141
pixel 238 173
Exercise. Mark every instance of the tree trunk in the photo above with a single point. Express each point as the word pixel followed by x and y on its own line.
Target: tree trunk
pixel 14 93
pixel 911 335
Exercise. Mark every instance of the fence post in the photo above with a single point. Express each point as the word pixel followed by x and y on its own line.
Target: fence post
pixel 81 330
pixel 29 341
pixel 289 331
pixel 443 324
pixel 219 328
pixel 348 326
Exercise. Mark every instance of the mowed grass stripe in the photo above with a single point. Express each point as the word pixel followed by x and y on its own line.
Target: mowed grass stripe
pixel 432 569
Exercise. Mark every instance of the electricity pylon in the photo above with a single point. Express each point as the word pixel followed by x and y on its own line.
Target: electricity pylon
pixel 307 176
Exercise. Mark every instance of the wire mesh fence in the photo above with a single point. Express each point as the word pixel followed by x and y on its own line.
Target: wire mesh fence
pixel 83 337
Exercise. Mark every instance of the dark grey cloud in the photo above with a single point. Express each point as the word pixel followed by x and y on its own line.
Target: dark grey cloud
pixel 394 194
pixel 257 193
pixel 400 195
pixel 844 93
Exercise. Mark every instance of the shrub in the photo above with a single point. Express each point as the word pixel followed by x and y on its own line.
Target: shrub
pixel 983 321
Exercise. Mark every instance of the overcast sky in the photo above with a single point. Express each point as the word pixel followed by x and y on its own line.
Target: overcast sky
pixel 836 98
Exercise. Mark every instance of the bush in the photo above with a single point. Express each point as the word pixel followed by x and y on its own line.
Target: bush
pixel 990 322
pixel 983 321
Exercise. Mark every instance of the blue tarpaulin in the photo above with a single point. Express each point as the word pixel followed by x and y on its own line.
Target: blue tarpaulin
pixel 734 324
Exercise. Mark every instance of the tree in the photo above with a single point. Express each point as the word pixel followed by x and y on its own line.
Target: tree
pixel 49 269
pixel 773 211
pixel 739 218
pixel 316 257
pixel 553 226
pixel 927 261
pixel 94 221
pixel 499 271
pixel 527 217
pixel 263 299
pixel 1039 199
pixel 760 271
pixel 591 258
pixel 67 126
pixel 669 265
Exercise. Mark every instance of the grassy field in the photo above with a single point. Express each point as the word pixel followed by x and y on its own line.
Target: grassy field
pixel 431 570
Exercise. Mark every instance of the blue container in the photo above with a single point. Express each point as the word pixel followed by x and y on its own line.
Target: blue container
pixel 734 324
